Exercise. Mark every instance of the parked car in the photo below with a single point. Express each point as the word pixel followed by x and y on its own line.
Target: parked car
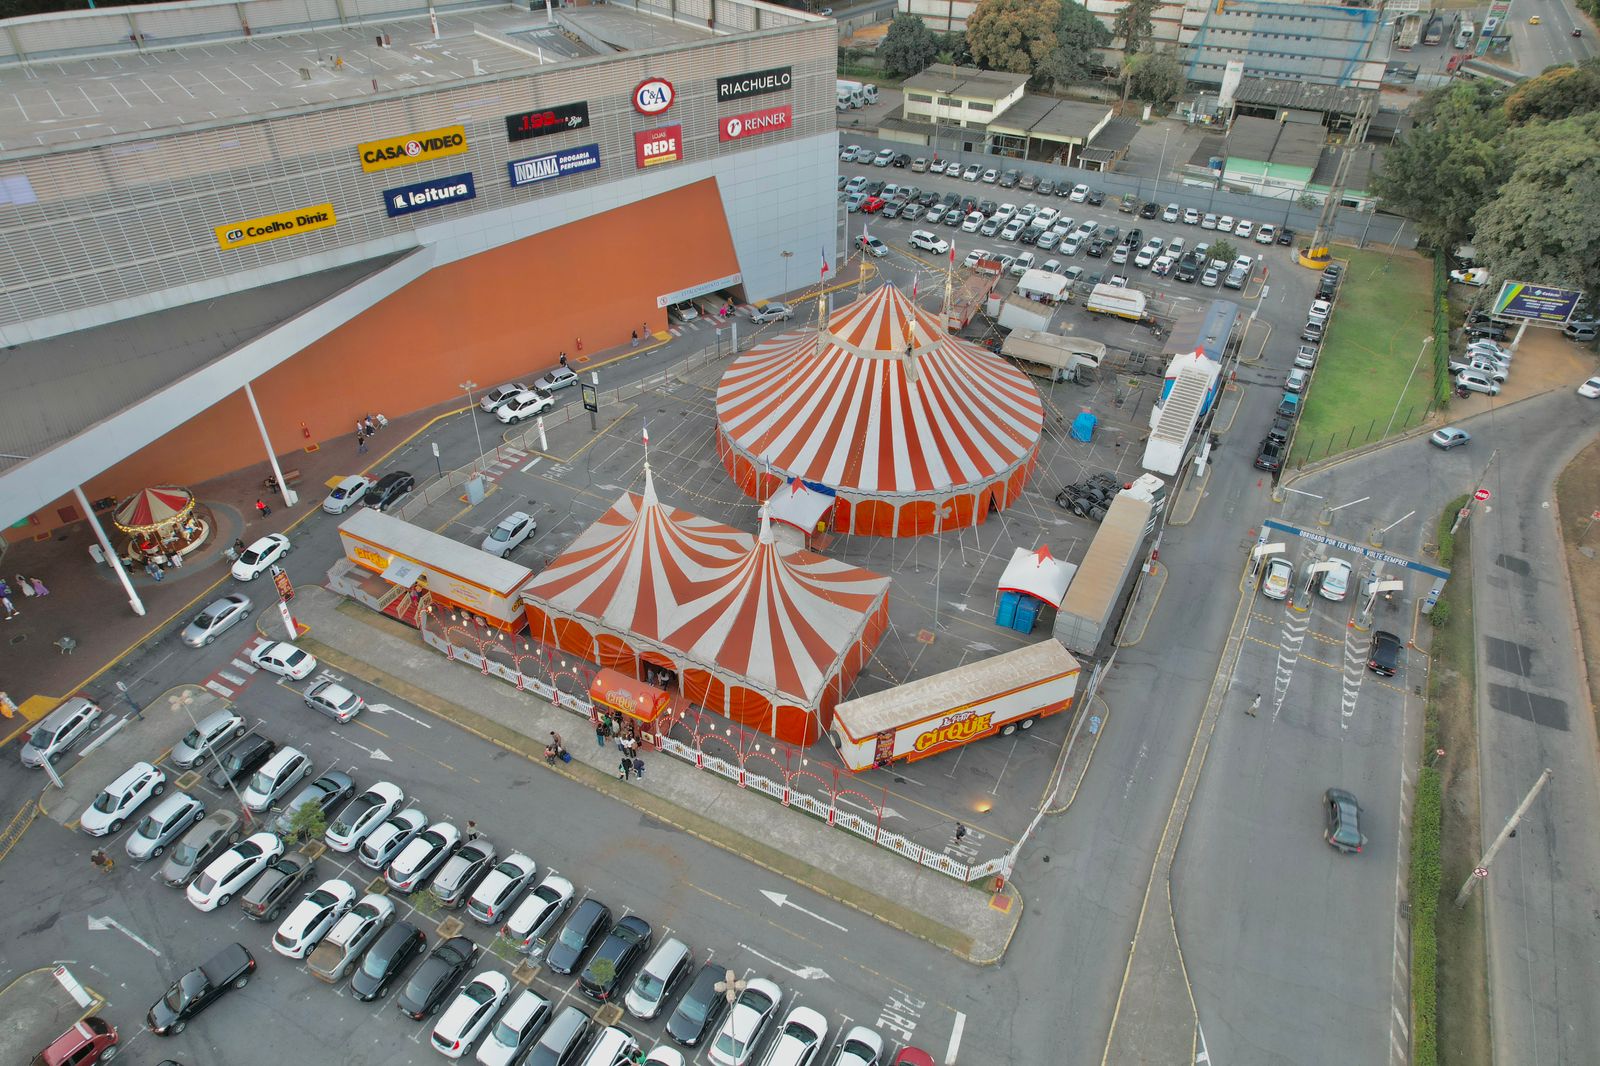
pixel 771 311
pixel 1384 658
pixel 613 1046
pixel 215 619
pixel 800 1039
pixel 496 397
pixel 1297 380
pixel 1590 389
pixel 1343 816
pixel 588 921
pixel 563 1040
pixel 469 1014
pixel 286 769
pixel 199 846
pixel 746 1023
pixel 1449 437
pixel 1311 332
pixel 260 556
pixel 437 974
pixel 113 805
pixel 202 986
pixel 1306 356
pixel 701 1007
pixel 524 406
pixel 494 895
pixel 232 871
pixel 1267 233
pixel 516 1029
pixel 284 659
pixel 461 872
pixel 615 958
pixel 205 737
pixel 391 838
pixel 364 814
pixel 663 972
pixel 394 950
pixel 329 792
pixel 336 954
pixel 90 1041
pixel 265 900
pixel 240 761
pixel 1277 579
pixel 536 916
pixel 171 818
pixel 393 485
pixel 424 854
pixel 58 731
pixel 312 917
pixel 1150 209
pixel 334 700
pixel 1269 456
pixel 513 529
pixel 860 1047
pixel 1477 381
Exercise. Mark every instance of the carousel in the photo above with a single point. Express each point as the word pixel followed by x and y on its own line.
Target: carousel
pixel 161 522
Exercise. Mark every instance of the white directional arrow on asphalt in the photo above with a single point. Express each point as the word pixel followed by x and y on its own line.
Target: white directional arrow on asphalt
pixel 384 708
pixel 805 973
pixel 376 753
pixel 779 899
pixel 847 801
pixel 97 925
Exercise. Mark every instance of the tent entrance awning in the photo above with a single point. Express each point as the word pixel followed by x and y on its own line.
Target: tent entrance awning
pixel 619 692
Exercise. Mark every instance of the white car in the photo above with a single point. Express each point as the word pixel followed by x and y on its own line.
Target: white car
pixel 1079 194
pixel 422 856
pixel 1172 213
pixel 207 736
pixel 347 493
pixel 1320 310
pixel 284 659
pixel 800 1040
pixel 312 917
pixel 1023 264
pixel 665 1055
pixel 468 1015
pixel 286 769
pixel 110 809
pixel 500 394
pixel 514 1032
pixel 1225 224
pixel 973 221
pixel 391 838
pixel 1277 579
pixel 1191 216
pixel 990 176
pixel 1210 221
pixel 513 529
pixel 883 157
pixel 334 700
pixel 1267 233
pixel 1145 257
pixel 746 1023
pixel 1335 581
pixel 1244 229
pixel 973 256
pixel 254 560
pixel 232 871
pixel 525 405
pixel 1477 381
pixel 860 1047
pixel 1590 389
pixel 926 241
pixel 971 173
pixel 364 814
pixel 1475 276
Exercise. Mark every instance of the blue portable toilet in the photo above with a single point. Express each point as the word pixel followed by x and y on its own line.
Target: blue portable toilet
pixel 1006 613
pixel 1083 427
pixel 1027 614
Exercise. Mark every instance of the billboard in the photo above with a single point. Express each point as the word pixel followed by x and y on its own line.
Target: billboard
pixel 1536 303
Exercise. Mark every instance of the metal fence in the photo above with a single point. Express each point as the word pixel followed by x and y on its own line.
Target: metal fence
pixel 1342 441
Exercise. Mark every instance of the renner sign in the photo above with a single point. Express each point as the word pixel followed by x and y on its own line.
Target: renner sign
pixel 654 147
pixel 748 125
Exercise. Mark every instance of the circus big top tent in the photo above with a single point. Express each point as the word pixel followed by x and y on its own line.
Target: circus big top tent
pixel 773 638
pixel 914 429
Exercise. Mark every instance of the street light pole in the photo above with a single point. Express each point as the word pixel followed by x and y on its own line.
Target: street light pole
pixel 472 412
pixel 787 255
pixel 1401 398
pixel 1481 871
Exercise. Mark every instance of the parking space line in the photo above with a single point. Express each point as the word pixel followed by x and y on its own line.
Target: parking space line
pixel 955 1039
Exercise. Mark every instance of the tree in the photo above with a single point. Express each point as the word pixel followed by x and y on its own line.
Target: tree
pixel 1539 225
pixel 1013 35
pixel 1224 250
pixel 953 49
pixel 308 822
pixel 908 47
pixel 1132 24
pixel 1078 34
pixel 1556 94
pixel 1158 77
pixel 1450 164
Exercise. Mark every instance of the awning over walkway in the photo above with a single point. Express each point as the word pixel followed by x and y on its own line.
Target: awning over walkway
pixel 635 699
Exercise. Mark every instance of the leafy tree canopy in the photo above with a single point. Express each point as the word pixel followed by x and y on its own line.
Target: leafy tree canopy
pixel 1078 34
pixel 908 47
pixel 1450 164
pixel 1013 35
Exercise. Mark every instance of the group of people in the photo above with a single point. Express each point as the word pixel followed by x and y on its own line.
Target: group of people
pixel 365 428
pixel 609 724
pixel 29 587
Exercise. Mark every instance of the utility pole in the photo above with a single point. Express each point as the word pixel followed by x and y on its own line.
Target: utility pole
pixel 1466 511
pixel 1481 871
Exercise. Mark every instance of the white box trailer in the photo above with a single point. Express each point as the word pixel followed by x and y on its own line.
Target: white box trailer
pixel 1095 597
pixel 1019 313
pixel 934 714
pixel 1051 356
pixel 1115 300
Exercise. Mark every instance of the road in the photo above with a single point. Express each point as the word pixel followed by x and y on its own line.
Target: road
pixel 1533 48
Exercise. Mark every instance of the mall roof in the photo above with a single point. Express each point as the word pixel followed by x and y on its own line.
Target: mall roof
pixel 969 83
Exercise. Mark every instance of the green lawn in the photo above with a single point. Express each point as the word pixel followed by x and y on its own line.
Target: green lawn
pixel 1383 316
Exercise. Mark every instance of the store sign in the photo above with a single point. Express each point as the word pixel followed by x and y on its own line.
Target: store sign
pixel 669 298
pixel 653 96
pixel 1536 303
pixel 412 148
pixel 654 147
pixel 431 193
pixel 531 124
pixel 755 83
pixel 748 125
pixel 271 227
pixel 553 164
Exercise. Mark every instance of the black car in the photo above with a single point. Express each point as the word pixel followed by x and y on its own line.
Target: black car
pixel 438 974
pixel 1270 457
pixel 701 1007
pixel 1095 198
pixel 199 988
pixel 1135 238
pixel 902 160
pixel 1280 429
pixel 1489 330
pixel 1150 210
pixel 951 199
pixel 969 204
pixel 987 208
pixel 271 891
pixel 389 488
pixel 1188 268
pixel 241 760
pixel 587 922
pixel 1032 234
pixel 1096 249
pixel 1286 237
pixel 387 959
pixel 622 949
pixel 1384 659
pixel 1009 179
pixel 874 188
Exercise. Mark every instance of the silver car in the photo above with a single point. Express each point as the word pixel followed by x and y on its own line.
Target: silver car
pixel 207 736
pixel 513 529
pixel 771 311
pixel 161 826
pixel 199 846
pixel 54 736
pixel 216 618
pixel 462 872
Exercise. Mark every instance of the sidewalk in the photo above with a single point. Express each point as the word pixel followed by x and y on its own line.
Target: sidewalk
pixel 35 1009
pixel 960 918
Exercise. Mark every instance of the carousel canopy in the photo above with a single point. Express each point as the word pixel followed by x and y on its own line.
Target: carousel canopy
pixel 882 400
pixel 149 509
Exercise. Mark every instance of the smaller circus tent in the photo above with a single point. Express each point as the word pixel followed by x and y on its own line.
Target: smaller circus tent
pixel 770 636
pixel 914 429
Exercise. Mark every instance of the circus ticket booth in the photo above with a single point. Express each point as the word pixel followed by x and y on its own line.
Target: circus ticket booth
pixel 799 513
pixel 646 704
pixel 1032 581
pixel 403 563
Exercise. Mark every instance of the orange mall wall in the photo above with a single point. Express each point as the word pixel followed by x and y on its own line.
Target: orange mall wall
pixel 497 316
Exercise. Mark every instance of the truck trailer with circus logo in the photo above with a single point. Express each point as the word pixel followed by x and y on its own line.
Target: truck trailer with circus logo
pixel 996 696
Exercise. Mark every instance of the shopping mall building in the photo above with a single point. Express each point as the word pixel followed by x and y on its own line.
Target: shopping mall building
pixel 319 209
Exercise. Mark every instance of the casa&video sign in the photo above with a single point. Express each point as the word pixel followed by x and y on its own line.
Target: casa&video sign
pixel 271 227
pixel 755 83
pixel 553 164
pixel 412 148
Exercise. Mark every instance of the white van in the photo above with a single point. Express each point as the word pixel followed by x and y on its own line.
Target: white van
pixel 659 979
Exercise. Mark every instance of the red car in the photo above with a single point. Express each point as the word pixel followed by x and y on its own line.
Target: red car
pixel 88 1042
pixel 873 204
pixel 913 1057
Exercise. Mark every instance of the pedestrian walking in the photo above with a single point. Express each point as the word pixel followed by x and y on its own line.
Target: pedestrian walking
pixel 472 829
pixel 366 424
pixel 176 559
pixel 624 768
pixel 22 583
pixel 361 444
pixel 600 735
pixel 11 608
pixel 630 743
pixel 156 571
pixel 1255 706
pixel 635 343
pixel 563 358
pixel 638 768
pixel 262 509
pixel 40 590
pixel 622 744
pixel 961 832
pixel 102 860
pixel 360 426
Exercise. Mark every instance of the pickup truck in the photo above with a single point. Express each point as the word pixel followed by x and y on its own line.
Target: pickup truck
pixel 196 990
pixel 332 959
